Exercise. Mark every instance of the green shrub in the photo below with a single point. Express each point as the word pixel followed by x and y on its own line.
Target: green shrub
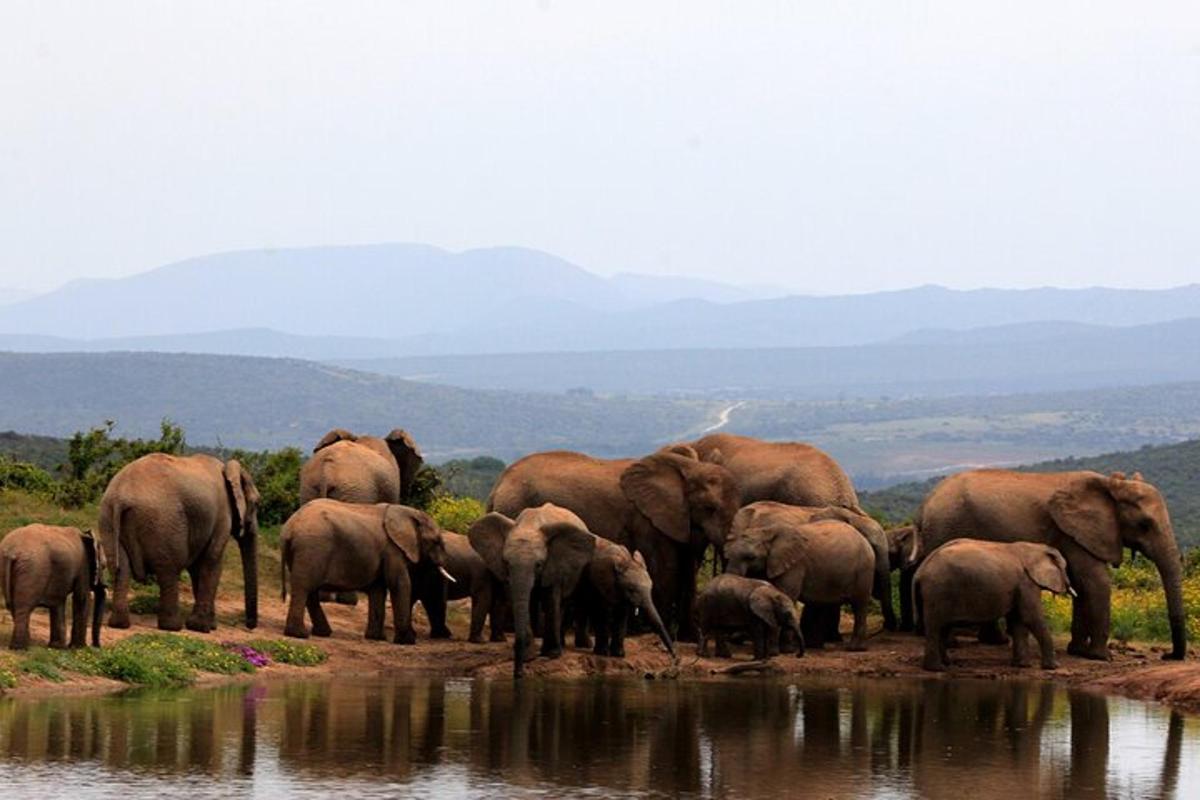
pixel 25 477
pixel 44 662
pixel 159 660
pixel 145 598
pixel 277 476
pixel 93 458
pixel 455 513
pixel 294 653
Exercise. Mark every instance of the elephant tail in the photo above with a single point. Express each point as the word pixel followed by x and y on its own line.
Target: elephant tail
pixel 6 577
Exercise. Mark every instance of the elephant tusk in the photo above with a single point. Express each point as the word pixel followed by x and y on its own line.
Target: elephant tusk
pixel 1071 591
pixel 446 575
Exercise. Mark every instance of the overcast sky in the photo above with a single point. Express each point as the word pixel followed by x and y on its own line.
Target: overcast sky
pixel 824 146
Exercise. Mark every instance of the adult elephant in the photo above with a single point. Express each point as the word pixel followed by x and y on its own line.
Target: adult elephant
pixel 1087 516
pixel 669 506
pixel 162 514
pixel 361 469
pixel 544 550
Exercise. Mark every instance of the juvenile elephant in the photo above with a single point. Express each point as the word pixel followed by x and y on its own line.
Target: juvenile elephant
pixel 821 563
pixel 361 469
pixel 162 514
pixel 613 585
pixel 968 581
pixel 1086 516
pixel 732 603
pixel 668 506
pixel 40 567
pixel 381 549
pixel 901 541
pixel 472 579
pixel 545 550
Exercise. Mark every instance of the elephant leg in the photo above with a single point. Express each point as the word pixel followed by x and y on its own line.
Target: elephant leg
pixel 401 591
pixel 858 639
pixel 812 627
pixel 722 649
pixel 1036 623
pixel 319 620
pixel 935 643
pixel 552 627
pixel 1020 639
pixel 832 621
pixel 79 616
pixel 907 622
pixel 990 633
pixel 582 640
pixel 702 642
pixel 618 626
pixel 1091 612
pixel 498 613
pixel 435 601
pixel 58 625
pixel 294 626
pixel 603 633
pixel 204 595
pixel 883 593
pixel 119 616
pixel 20 631
pixel 481 603
pixel 786 642
pixel 376 613
pixel 688 567
pixel 762 636
pixel 168 600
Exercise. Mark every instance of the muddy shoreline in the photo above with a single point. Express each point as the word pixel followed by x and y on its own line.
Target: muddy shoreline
pixel 1136 671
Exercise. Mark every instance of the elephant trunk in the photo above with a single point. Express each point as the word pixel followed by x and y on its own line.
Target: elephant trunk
pixel 248 545
pixel 656 624
pixel 98 595
pixel 1170 569
pixel 521 587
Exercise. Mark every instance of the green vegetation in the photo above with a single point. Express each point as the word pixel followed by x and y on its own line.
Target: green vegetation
pixel 473 477
pixel 455 513
pixel 284 652
pixel 277 476
pixel 1174 469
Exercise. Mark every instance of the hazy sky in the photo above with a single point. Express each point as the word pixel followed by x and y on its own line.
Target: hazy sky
pixel 824 146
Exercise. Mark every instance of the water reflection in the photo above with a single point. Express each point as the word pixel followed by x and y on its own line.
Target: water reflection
pixel 730 739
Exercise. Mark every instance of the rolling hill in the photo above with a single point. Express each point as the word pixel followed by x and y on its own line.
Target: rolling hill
pixel 260 403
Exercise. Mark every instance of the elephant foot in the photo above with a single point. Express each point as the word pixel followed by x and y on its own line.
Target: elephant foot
pixel 57 645
pixel 552 652
pixel 933 666
pixel 296 633
pixel 617 651
pixel 200 625
pixel 1048 665
pixel 1022 663
pixel 118 619
pixel 498 637
pixel 375 636
pixel 404 637
pixel 18 645
pixel 323 631
pixel 170 625
pixel 583 642
pixel 856 647
pixel 475 638
pixel 443 633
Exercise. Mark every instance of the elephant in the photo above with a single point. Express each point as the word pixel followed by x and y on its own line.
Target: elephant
pixel 361 469
pixel 162 514
pixel 1087 516
pixel 820 563
pixel 730 603
pixel 380 548
pixel 545 550
pixel 40 567
pixel 971 581
pixel 472 579
pixel 614 584
pixel 669 506
pixel 900 541
pixel 799 474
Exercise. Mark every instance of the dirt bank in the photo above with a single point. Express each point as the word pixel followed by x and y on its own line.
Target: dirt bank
pixel 1135 671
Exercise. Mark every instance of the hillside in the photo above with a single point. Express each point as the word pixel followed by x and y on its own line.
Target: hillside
pixel 1174 469
pixel 260 403
pixel 1031 357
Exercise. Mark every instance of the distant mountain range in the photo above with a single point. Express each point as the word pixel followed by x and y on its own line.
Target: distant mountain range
pixel 396 300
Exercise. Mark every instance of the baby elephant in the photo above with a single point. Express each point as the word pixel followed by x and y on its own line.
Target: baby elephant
pixel 40 567
pixel 614 583
pixel 968 581
pixel 472 579
pixel 731 603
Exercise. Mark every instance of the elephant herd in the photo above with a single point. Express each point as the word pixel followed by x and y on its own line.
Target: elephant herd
pixel 572 541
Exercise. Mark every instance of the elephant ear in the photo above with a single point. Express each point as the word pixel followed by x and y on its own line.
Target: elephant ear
pixel 655 487
pixel 786 550
pixel 401 525
pixel 1046 567
pixel 762 604
pixel 487 536
pixel 681 449
pixel 335 435
pixel 408 459
pixel 569 549
pixel 237 493
pixel 1084 511
pixel 92 552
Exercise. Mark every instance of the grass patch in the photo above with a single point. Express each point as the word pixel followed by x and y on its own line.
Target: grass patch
pixel 284 652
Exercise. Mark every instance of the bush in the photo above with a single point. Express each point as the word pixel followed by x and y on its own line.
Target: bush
pixel 145 598
pixel 283 652
pixel 455 513
pixel 93 458
pixel 276 473
pixel 25 477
